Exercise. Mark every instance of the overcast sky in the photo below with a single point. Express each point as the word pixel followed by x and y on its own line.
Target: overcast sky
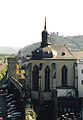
pixel 22 21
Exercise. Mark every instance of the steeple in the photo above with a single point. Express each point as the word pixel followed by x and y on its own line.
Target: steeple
pixel 44 42
pixel 45 24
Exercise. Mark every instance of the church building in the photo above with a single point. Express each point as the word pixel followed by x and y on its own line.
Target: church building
pixel 51 76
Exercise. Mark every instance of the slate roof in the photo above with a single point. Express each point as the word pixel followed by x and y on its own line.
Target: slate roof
pixel 53 52
pixel 62 52
pixel 78 54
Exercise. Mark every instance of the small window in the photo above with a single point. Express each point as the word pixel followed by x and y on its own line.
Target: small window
pixel 47 52
pixel 63 53
pixel 82 71
pixel 82 82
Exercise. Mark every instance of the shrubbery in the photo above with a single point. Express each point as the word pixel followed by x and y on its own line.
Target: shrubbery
pixel 3 72
pixel 30 114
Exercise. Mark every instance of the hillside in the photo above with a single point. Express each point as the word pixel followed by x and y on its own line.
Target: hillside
pixel 8 50
pixel 72 42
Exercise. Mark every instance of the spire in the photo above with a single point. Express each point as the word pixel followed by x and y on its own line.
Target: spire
pixel 44 36
pixel 45 24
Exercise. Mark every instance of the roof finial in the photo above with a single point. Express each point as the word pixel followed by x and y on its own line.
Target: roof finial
pixel 45 24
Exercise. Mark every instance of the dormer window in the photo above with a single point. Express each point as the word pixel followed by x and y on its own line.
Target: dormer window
pixel 47 52
pixel 63 53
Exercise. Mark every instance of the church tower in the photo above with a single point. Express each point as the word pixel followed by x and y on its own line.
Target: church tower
pixel 45 34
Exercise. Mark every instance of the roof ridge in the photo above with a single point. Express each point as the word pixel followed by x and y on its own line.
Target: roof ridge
pixel 69 51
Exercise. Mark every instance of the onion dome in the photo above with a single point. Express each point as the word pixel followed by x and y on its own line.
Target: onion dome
pixel 44 51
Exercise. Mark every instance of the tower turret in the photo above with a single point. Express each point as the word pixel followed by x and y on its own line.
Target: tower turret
pixel 45 34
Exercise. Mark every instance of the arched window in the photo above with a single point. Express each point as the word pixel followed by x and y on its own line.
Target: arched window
pixel 35 78
pixel 64 76
pixel 47 78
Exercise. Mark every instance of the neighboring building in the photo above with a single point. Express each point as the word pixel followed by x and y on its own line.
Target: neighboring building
pixel 79 72
pixel 80 77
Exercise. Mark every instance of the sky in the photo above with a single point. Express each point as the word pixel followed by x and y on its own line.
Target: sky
pixel 22 21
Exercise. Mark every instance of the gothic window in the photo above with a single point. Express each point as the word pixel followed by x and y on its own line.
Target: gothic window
pixel 35 77
pixel 64 75
pixel 47 78
pixel 54 69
